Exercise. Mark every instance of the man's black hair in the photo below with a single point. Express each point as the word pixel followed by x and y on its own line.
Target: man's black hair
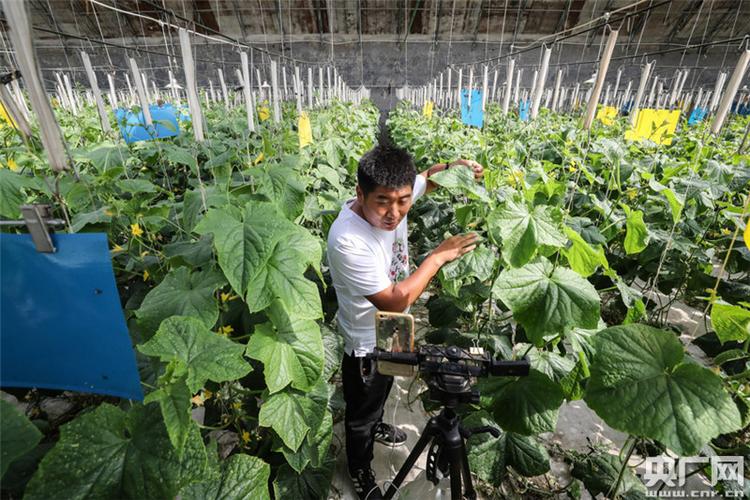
pixel 385 165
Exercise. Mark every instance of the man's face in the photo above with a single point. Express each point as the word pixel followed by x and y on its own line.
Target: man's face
pixel 385 207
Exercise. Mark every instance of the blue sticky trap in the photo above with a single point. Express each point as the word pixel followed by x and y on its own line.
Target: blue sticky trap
pixel 62 325
pixel 133 125
pixel 626 107
pixel 697 116
pixel 524 108
pixel 472 115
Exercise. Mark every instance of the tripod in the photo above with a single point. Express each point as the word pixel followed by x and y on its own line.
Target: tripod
pixel 447 437
pixel 448 372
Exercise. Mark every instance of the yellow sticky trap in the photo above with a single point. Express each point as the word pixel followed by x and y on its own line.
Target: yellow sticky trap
pixel 657 125
pixel 305 131
pixel 5 117
pixel 607 115
pixel 427 109
pixel 264 113
pixel 746 235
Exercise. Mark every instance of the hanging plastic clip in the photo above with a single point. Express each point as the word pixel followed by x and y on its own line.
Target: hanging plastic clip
pixel 37 219
pixel 6 78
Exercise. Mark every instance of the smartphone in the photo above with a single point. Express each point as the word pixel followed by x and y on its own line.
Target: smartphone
pixel 395 333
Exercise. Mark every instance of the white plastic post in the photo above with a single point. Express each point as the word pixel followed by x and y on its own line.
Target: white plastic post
pixel 484 87
pixel 112 93
pixel 211 91
pixel 652 95
pixel 533 82
pixel 141 92
pixel 145 86
pixel 539 91
pixel 309 88
pixel 717 90
pixel 516 95
pixel 130 86
pixel 449 89
pixel 682 81
pixel 645 75
pixel 556 93
pixel 320 86
pixel 731 91
pixel 458 87
pixel 674 92
pixel 601 74
pixel 440 92
pixel 20 36
pixel 298 89
pixel 574 97
pixel 617 84
pixel 275 90
pixel 223 84
pixel 329 95
pixel 626 95
pixel 14 110
pixel 190 86
pixel 508 85
pixel 71 97
pixel 97 93
pixel 699 98
pixel 493 93
pixel 246 91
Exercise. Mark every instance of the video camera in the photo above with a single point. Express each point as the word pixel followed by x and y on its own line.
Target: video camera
pixel 448 371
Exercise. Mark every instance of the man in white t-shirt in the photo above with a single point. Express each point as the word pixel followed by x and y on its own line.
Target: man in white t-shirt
pixel 368 256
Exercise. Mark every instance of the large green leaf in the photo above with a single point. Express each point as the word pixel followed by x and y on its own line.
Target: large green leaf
pixel 260 263
pixel 461 179
pixel 107 453
pixel 182 293
pixel 333 349
pixel 525 405
pixel 281 184
pixel 245 244
pixel 290 349
pixel 173 396
pixel 98 216
pixel 107 155
pixel 314 448
pixel 523 232
pixel 730 322
pixel 11 193
pixel 582 257
pixel 18 435
pixel 490 456
pixel 599 472
pixel 207 355
pixel 636 235
pixel 641 384
pixel 547 300
pixel 286 413
pixel 312 484
pixel 241 477
pixel 478 264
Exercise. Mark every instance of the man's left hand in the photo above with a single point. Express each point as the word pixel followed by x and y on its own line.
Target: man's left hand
pixel 475 166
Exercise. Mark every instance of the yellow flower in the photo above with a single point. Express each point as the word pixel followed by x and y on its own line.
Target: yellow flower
pixel 226 330
pixel 226 297
pixel 144 253
pixel 116 249
pixel 725 231
pixel 135 229
pixel 207 394
pixel 572 168
pixel 632 193
pixel 245 437
pixel 12 164
pixel 145 275
pixel 515 177
pixel 108 213
pixel 259 158
pixel 264 113
pixel 237 405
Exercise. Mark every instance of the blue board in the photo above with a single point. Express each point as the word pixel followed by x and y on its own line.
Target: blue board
pixel 472 115
pixel 62 325
pixel 133 125
pixel 524 108
pixel 697 116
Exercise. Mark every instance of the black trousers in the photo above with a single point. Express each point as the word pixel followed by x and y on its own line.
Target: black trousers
pixel 365 397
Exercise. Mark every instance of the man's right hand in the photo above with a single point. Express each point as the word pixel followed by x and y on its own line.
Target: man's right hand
pixel 455 247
